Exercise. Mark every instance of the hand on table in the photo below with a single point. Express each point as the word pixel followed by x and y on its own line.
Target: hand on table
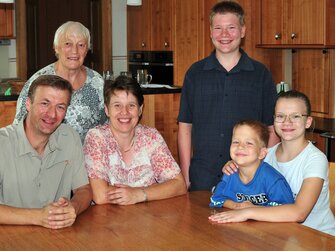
pixel 124 195
pixel 229 216
pixel 59 214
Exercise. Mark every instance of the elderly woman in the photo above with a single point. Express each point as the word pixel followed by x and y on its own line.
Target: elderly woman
pixel 127 162
pixel 71 44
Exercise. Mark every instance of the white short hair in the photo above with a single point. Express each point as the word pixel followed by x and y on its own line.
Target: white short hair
pixel 75 27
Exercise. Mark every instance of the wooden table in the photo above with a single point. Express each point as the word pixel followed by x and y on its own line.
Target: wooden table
pixel 174 224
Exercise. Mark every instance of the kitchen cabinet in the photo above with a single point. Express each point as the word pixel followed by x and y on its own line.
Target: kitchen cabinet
pixel 149 26
pixel 317 140
pixel 6 21
pixel 192 38
pixel 313 74
pixel 7 112
pixel 297 23
pixel 160 112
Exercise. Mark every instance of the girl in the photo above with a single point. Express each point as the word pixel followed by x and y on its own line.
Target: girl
pixel 303 165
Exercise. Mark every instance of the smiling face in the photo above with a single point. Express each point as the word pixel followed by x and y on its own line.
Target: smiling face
pixel 246 148
pixel 288 130
pixel 47 110
pixel 71 50
pixel 124 112
pixel 226 32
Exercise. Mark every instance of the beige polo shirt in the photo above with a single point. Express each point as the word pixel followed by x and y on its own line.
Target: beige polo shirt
pixel 30 181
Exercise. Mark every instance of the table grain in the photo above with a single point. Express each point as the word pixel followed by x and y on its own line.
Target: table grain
pixel 179 223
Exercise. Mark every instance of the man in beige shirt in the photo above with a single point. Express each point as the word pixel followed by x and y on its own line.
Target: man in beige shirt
pixel 42 162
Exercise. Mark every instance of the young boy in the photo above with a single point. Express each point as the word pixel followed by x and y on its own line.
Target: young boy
pixel 256 183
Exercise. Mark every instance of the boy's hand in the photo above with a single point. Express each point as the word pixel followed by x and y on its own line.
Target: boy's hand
pixel 229 168
pixel 244 204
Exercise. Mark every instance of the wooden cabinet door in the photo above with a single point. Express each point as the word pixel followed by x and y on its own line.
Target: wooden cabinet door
pixel 43 19
pixel 311 75
pixel 187 38
pixel 192 35
pixel 161 25
pixel 139 26
pixel 272 31
pixel 161 111
pixel 307 22
pixel 297 23
pixel 6 20
pixel 7 112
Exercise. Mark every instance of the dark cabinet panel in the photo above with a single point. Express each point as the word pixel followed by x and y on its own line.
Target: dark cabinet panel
pixel 43 19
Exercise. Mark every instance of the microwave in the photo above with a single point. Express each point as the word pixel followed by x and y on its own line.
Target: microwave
pixel 158 63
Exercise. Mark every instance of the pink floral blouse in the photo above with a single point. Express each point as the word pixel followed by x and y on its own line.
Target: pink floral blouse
pixel 152 161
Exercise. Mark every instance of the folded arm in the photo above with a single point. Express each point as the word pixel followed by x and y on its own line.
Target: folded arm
pixel 125 195
pixel 59 214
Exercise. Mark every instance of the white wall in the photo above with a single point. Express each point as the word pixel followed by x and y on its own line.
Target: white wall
pixel 119 35
pixel 8 60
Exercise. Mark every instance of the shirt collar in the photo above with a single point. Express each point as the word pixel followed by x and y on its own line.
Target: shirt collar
pixel 25 146
pixel 244 64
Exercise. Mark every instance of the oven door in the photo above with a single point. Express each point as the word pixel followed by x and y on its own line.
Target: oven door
pixel 161 73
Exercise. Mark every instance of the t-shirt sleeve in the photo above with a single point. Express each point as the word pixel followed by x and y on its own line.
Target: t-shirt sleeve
pixel 316 165
pixel 185 108
pixel 218 198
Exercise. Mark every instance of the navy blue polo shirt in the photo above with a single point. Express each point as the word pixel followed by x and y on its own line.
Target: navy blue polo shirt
pixel 213 100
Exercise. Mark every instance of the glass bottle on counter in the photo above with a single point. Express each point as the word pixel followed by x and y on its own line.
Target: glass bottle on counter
pixel 282 87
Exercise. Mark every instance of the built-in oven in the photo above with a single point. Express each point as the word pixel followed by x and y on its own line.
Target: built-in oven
pixel 158 63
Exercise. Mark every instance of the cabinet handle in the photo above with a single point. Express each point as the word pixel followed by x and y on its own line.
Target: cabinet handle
pixel 166 44
pixel 277 36
pixel 143 44
pixel 293 36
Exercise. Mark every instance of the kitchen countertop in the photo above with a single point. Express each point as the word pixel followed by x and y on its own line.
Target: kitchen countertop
pixel 322 125
pixel 146 91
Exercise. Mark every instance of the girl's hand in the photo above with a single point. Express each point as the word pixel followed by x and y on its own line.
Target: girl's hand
pixel 229 168
pixel 229 216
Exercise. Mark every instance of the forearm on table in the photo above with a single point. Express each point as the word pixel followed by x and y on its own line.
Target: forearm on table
pixel 282 213
pixel 168 189
pixel 82 198
pixel 19 216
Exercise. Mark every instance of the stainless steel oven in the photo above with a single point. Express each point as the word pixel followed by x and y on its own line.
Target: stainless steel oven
pixel 158 63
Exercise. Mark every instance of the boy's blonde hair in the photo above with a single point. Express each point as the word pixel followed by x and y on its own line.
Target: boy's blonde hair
pixel 260 129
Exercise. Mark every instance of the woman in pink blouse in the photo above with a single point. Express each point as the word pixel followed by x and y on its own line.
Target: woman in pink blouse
pixel 127 162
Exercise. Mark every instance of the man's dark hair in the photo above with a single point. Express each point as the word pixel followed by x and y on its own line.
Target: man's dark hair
pixel 123 83
pixel 53 81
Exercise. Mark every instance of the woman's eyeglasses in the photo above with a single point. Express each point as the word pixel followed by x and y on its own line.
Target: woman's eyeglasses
pixel 294 118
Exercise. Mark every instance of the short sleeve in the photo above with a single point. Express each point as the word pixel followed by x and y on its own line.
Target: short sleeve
pixel 93 152
pixel 218 198
pixel 164 165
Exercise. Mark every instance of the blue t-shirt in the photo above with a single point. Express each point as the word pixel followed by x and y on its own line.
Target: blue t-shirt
pixel 267 188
